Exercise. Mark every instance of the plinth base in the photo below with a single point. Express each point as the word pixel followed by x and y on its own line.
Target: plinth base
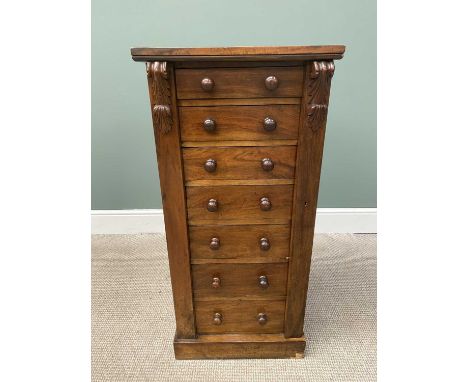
pixel 222 346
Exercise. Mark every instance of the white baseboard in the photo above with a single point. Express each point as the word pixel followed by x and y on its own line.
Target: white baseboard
pixel 329 220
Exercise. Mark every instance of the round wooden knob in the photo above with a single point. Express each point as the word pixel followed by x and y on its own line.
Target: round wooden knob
pixel 262 318
pixel 265 204
pixel 216 283
pixel 217 318
pixel 207 84
pixel 212 205
pixel 269 124
pixel 210 165
pixel 209 125
pixel 263 282
pixel 267 164
pixel 214 244
pixel 264 244
pixel 271 82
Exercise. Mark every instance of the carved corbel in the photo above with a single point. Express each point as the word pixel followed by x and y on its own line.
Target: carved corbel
pixel 318 93
pixel 160 95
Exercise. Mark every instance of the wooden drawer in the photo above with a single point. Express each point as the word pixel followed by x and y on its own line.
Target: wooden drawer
pixel 239 204
pixel 239 280
pixel 234 316
pixel 239 162
pixel 239 122
pixel 239 82
pixel 236 242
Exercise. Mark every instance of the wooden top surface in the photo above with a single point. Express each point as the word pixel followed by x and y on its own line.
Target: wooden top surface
pixel 243 53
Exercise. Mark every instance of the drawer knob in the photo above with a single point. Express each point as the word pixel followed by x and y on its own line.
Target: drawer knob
pixel 214 244
pixel 216 283
pixel 264 244
pixel 269 124
pixel 209 125
pixel 212 205
pixel 262 318
pixel 271 82
pixel 207 84
pixel 267 164
pixel 263 282
pixel 210 165
pixel 265 204
pixel 217 318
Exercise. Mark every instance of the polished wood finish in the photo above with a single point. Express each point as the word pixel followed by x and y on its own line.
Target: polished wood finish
pixel 167 137
pixel 239 163
pixel 265 204
pixel 217 319
pixel 225 346
pixel 242 260
pixel 240 102
pixel 238 123
pixel 239 280
pixel 239 241
pixel 269 124
pixel 210 165
pixel 215 282
pixel 271 83
pixel 239 53
pixel 239 82
pixel 265 244
pixel 273 142
pixel 239 134
pixel 263 281
pixel 212 205
pixel 239 203
pixel 262 318
pixel 238 182
pixel 209 125
pixel 240 316
pixel 207 84
pixel 309 162
pixel 214 244
pixel 231 64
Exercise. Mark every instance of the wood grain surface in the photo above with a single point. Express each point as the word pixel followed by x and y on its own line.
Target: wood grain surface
pixel 239 163
pixel 233 64
pixel 238 182
pixel 239 53
pixel 239 204
pixel 239 82
pixel 239 101
pixel 271 142
pixel 223 346
pixel 239 123
pixel 239 280
pixel 239 316
pixel 174 204
pixel 239 241
pixel 309 163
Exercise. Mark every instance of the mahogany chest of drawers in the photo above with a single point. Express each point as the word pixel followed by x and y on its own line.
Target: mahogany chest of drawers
pixel 239 138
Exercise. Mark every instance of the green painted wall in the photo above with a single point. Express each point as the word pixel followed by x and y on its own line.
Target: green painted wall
pixel 124 174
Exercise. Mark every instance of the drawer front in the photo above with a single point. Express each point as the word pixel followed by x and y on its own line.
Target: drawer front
pixel 239 280
pixel 239 82
pixel 218 123
pixel 229 242
pixel 239 204
pixel 239 163
pixel 231 316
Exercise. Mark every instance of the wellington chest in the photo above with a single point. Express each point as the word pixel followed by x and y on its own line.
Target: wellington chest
pixel 239 139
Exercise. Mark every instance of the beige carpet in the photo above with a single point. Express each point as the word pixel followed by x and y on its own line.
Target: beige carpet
pixel 133 321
